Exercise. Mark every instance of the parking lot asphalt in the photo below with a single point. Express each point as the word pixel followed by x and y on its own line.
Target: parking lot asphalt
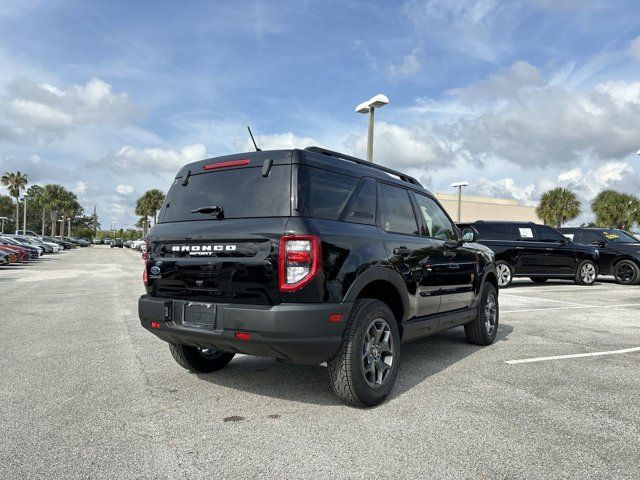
pixel 85 392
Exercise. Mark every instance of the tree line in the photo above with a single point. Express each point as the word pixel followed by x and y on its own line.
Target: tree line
pixel 611 208
pixel 50 208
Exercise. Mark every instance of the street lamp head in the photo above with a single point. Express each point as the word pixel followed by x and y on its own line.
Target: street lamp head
pixel 460 184
pixel 378 101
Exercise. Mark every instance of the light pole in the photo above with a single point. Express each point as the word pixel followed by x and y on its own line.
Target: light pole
pixel 369 107
pixel 2 219
pixel 24 217
pixel 459 186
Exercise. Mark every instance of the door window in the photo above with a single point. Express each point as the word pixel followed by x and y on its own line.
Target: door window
pixel 588 238
pixel 548 234
pixel 396 212
pixel 436 221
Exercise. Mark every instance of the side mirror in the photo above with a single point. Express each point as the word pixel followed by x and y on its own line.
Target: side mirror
pixel 470 234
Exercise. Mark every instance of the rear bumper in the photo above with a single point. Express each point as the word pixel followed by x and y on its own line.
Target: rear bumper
pixel 299 333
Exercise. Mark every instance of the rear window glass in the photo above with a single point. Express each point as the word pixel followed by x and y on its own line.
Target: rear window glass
pixel 493 231
pixel 323 194
pixel 241 193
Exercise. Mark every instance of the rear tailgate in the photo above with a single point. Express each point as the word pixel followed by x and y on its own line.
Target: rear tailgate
pixel 219 230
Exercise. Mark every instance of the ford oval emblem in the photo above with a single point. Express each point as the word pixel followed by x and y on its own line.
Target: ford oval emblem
pixel 155 270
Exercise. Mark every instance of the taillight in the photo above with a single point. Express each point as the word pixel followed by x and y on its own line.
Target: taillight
pixel 299 259
pixel 145 254
pixel 145 276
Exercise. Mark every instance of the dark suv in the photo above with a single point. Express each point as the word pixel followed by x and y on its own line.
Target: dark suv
pixel 540 252
pixel 311 256
pixel 619 251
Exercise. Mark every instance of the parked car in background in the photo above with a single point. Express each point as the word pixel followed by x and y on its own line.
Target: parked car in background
pixel 22 241
pixel 540 252
pixel 619 251
pixel 33 251
pixel 117 243
pixel 107 241
pixel 22 254
pixel 97 241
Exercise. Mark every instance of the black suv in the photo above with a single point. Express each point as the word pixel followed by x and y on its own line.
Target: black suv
pixel 619 251
pixel 540 252
pixel 310 256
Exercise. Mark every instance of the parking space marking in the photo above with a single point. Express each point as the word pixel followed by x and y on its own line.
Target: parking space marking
pixel 575 355
pixel 546 299
pixel 570 307
pixel 563 288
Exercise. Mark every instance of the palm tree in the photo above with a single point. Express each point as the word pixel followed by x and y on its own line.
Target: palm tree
pixel 558 206
pixel 142 209
pixel 616 209
pixel 70 207
pixel 154 200
pixel 52 198
pixel 14 183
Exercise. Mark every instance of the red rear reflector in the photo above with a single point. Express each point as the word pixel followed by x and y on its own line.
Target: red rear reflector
pixel 231 163
pixel 145 254
pixel 155 325
pixel 335 317
pixel 298 257
pixel 242 335
pixel 145 278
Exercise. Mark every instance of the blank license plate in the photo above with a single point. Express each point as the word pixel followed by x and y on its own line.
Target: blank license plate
pixel 200 315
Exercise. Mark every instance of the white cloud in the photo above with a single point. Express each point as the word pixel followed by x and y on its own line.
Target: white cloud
pixel 277 141
pixel 124 189
pixel 409 66
pixel 466 26
pixel 634 48
pixel 40 112
pixel 536 124
pixel 397 146
pixel 80 187
pixel 507 188
pixel 137 160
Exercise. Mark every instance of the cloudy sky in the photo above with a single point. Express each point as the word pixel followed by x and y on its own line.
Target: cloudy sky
pixel 111 98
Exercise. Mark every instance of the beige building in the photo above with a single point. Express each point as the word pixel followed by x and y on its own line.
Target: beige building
pixel 486 208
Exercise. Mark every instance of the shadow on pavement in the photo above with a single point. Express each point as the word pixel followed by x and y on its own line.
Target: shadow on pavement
pixel 310 384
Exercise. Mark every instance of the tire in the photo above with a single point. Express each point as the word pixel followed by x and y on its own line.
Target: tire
pixel 505 274
pixel 626 272
pixel 196 360
pixel 539 279
pixel 371 338
pixel 484 328
pixel 586 273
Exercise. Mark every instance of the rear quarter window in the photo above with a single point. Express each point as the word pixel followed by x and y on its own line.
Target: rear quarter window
pixel 322 193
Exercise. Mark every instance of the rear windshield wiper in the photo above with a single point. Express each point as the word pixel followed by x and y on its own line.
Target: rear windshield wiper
pixel 213 209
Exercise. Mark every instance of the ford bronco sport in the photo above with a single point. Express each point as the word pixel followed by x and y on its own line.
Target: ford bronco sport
pixel 311 256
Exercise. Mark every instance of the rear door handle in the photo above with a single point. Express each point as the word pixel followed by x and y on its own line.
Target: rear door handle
pixel 549 249
pixel 401 251
pixel 519 248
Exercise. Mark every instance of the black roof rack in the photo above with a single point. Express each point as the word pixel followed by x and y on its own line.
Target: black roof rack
pixel 331 153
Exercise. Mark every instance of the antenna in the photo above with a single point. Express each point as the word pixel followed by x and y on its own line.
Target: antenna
pixel 253 140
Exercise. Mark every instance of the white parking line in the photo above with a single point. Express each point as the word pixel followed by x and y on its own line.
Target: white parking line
pixel 543 299
pixel 570 308
pixel 575 355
